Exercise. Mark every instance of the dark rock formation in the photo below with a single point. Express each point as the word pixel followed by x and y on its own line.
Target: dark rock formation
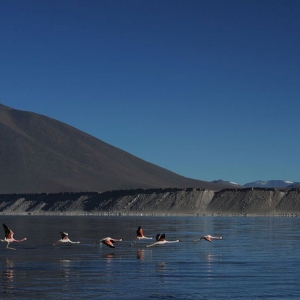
pixel 188 201
pixel 246 201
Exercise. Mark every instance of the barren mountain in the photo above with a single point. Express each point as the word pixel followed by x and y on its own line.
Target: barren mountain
pixel 39 154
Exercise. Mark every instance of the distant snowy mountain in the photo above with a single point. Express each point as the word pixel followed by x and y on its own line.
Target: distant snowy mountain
pixel 270 184
pixel 263 184
pixel 222 181
pixel 295 185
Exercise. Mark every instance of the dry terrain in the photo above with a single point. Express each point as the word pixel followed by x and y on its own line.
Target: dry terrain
pixel 157 202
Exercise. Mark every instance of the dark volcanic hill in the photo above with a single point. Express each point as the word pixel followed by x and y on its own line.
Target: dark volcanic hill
pixel 40 154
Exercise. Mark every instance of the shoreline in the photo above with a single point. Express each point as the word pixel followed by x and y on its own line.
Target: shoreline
pixel 141 215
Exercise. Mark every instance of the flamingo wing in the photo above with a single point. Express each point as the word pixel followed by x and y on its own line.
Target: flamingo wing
pixel 206 238
pixel 108 243
pixel 8 232
pixel 160 237
pixel 63 235
pixel 139 232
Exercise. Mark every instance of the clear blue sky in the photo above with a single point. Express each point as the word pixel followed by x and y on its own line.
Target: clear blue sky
pixel 209 89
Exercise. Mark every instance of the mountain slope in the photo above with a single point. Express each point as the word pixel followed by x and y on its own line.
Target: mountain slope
pixel 269 184
pixel 40 154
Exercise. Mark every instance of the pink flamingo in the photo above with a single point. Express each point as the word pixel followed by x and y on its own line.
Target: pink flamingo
pixel 108 241
pixel 64 239
pixel 161 239
pixel 9 237
pixel 208 238
pixel 140 234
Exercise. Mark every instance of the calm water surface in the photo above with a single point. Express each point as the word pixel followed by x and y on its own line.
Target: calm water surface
pixel 258 258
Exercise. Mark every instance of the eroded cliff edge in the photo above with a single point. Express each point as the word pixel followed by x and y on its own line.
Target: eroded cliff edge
pixel 171 201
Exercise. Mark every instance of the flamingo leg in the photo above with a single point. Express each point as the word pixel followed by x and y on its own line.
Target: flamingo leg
pixel 151 245
pixel 9 247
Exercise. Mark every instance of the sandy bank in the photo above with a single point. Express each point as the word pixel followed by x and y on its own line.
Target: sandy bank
pixel 157 202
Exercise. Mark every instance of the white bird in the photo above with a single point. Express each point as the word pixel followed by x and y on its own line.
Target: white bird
pixel 9 237
pixel 161 239
pixel 64 239
pixel 208 238
pixel 108 241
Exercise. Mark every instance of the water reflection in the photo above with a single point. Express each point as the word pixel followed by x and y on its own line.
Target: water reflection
pixel 8 274
pixel 140 254
pixel 250 255
pixel 144 254
pixel 109 257
pixel 212 258
pixel 65 268
pixel 209 258
pixel 161 271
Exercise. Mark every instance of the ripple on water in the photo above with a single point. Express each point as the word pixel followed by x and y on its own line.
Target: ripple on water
pixel 258 258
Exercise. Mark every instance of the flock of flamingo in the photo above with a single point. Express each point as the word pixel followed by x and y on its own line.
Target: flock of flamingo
pixel 108 241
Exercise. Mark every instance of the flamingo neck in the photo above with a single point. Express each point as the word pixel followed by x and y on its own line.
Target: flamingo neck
pixel 18 241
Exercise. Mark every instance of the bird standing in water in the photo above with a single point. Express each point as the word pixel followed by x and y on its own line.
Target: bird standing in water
pixel 64 239
pixel 208 238
pixel 161 239
pixel 9 237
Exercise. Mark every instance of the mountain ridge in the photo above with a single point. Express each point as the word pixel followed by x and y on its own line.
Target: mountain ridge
pixel 272 184
pixel 40 154
pixel 264 183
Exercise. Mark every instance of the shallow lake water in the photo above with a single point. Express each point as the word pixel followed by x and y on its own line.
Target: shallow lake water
pixel 258 258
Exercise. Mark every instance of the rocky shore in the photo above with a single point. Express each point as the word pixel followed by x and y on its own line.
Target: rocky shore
pixel 189 201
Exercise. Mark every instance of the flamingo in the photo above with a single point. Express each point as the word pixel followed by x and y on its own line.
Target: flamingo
pixel 161 239
pixel 208 238
pixel 140 234
pixel 64 239
pixel 9 237
pixel 108 241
